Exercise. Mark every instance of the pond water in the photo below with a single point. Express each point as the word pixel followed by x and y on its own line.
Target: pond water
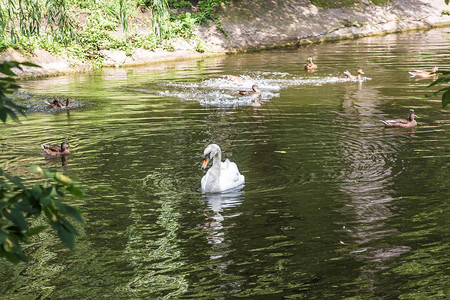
pixel 334 205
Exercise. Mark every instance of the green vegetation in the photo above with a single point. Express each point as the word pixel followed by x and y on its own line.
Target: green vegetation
pixel 334 3
pixel 82 28
pixel 19 201
pixel 446 90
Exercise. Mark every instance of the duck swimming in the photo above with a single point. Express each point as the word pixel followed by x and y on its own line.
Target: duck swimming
pixel 56 150
pixel 401 123
pixel 255 91
pixel 310 66
pixel 237 79
pixel 424 74
pixel 347 76
pixel 221 176
pixel 58 104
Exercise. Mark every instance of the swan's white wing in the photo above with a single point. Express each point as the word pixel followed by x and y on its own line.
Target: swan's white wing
pixel 230 176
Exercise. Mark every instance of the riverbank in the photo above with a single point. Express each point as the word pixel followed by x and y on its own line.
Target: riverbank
pixel 253 25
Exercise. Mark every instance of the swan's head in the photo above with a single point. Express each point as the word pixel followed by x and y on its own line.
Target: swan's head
pixel 210 151
pixel 310 60
pixel 434 69
pixel 360 72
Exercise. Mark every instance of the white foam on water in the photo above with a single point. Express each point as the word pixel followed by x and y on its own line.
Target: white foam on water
pixel 219 91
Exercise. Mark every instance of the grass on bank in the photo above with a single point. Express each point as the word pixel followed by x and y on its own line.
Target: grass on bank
pixel 82 28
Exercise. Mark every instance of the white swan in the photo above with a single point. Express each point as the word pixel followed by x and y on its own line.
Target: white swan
pixel 223 175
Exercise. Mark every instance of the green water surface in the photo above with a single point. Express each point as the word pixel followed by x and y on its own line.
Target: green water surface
pixel 334 205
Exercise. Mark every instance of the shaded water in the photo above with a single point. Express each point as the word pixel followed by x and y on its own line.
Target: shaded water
pixel 334 205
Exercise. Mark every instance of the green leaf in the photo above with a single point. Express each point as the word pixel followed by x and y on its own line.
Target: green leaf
pixel 445 99
pixel 437 81
pixel 64 234
pixel 3 236
pixel 36 191
pixel 45 200
pixel 6 70
pixel 16 216
pixel 68 210
pixel 16 180
pixel 7 79
pixel 3 204
pixel 37 169
pixel 441 90
pixel 63 179
pixel 74 213
pixel 35 230
pixel 28 64
pixel 22 201
pixel 12 256
pixel 75 190
pixel 69 227
pixel 7 111
pixel 3 115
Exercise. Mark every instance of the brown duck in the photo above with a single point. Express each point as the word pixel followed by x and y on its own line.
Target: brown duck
pixel 255 91
pixel 310 66
pixel 58 104
pixel 401 123
pixel 424 74
pixel 237 79
pixel 56 150
pixel 347 76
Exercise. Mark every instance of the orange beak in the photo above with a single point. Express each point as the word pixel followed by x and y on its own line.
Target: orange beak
pixel 205 162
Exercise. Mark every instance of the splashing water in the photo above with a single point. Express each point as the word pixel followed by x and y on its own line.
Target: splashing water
pixel 222 92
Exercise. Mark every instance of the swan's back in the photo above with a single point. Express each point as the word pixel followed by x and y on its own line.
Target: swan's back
pixel 230 176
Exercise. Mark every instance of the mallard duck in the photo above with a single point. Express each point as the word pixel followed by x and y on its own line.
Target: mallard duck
pixel 310 66
pixel 347 76
pixel 56 150
pixel 255 91
pixel 402 122
pixel 424 74
pixel 58 104
pixel 237 79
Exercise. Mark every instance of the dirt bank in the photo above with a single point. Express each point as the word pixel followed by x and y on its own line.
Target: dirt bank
pixel 272 23
pixel 253 25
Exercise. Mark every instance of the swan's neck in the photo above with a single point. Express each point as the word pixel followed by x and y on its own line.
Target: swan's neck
pixel 217 159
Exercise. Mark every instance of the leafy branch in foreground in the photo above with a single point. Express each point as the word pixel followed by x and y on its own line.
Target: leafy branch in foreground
pixel 19 202
pixel 8 85
pixel 446 90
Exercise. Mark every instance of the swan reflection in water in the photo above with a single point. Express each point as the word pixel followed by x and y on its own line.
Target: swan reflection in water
pixel 221 205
